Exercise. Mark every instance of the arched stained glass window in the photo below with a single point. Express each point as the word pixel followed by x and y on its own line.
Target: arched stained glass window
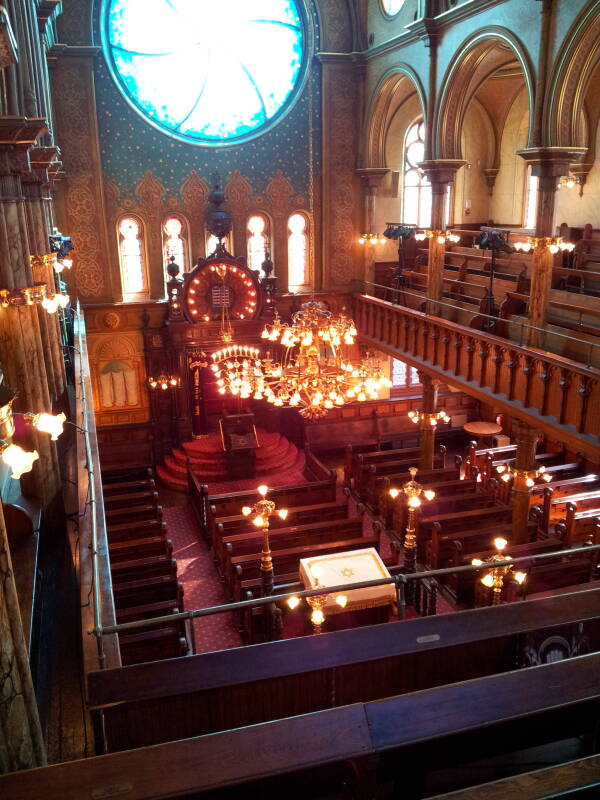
pixel 531 200
pixel 258 240
pixel 212 241
pixel 132 256
pixel 297 251
pixel 206 72
pixel 416 189
pixel 175 242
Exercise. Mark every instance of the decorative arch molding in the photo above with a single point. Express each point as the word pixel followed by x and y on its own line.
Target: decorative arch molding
pixel 578 58
pixel 389 94
pixel 456 91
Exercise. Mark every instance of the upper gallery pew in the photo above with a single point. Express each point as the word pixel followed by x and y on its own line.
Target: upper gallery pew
pixel 155 702
pixel 399 740
pixel 143 571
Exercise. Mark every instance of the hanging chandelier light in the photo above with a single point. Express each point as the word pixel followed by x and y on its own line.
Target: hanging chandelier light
pixel 314 371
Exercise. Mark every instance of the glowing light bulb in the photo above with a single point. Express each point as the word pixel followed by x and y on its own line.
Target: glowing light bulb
pixel 258 521
pixel 488 580
pixel 293 602
pixel 246 511
pixel 429 494
pixel 19 460
pixel 394 493
pixel 282 513
pixel 500 543
pixel 341 600
pixel 262 489
pixel 476 562
pixel 48 423
pixel 520 577
pixel 317 617
pixel 414 502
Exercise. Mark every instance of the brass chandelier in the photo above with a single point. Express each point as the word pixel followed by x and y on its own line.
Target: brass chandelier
pixel 314 371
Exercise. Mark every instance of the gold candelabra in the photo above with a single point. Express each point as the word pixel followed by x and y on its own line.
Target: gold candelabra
pixel 440 236
pixel 371 238
pixel 260 514
pixel 163 381
pixel 525 477
pixel 428 418
pixel 553 243
pixel 414 495
pixel 317 602
pixel 494 578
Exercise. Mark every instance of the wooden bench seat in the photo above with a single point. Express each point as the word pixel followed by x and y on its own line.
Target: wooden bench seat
pixel 381 498
pixel 154 589
pixel 119 487
pixel 300 515
pixel 147 611
pixel 242 544
pixel 547 577
pixel 144 567
pixel 126 500
pixel 140 548
pixel 475 529
pixel 145 511
pixel 136 530
pixel 152 645
pixel 579 526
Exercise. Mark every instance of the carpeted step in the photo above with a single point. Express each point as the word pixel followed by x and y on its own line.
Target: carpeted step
pixel 171 480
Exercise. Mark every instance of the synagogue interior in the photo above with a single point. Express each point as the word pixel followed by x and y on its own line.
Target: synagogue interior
pixel 299 399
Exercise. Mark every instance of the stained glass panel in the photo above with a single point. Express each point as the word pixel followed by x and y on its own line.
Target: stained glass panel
pixel 206 72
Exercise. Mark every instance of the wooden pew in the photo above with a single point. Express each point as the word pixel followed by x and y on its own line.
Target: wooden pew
pixel 118 487
pixel 579 526
pixel 545 578
pixel 140 548
pixel 128 593
pixel 206 506
pixel 393 513
pixel 300 515
pixel 461 585
pixel 381 498
pixel 120 516
pixel 473 528
pixel 230 689
pixel 355 462
pixel 128 499
pixel 139 568
pixel 367 482
pixel 554 504
pixel 152 645
pixel 138 529
pixel 250 544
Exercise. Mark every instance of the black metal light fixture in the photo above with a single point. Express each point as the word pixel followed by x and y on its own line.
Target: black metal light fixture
pixel 497 242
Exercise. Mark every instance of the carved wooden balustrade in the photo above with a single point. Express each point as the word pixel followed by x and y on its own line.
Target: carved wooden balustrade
pixel 551 393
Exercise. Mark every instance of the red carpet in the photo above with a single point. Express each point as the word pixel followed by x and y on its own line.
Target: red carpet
pixel 202 586
pixel 278 463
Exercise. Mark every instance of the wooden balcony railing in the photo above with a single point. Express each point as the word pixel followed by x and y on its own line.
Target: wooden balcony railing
pixel 553 394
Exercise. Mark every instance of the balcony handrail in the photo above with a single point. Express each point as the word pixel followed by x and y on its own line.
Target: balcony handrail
pixel 91 489
pixel 399 580
pixel 445 304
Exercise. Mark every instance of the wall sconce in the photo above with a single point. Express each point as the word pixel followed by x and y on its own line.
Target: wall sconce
pixel 47 423
pixel 33 295
pixel 163 382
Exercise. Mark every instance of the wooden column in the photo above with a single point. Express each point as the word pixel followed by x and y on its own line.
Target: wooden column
pixel 548 165
pixel 21 741
pixel 427 429
pixel 526 438
pixel 371 179
pixel 21 348
pixel 441 173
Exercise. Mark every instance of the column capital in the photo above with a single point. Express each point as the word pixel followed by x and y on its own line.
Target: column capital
pixel 372 177
pixel 441 171
pixel 551 162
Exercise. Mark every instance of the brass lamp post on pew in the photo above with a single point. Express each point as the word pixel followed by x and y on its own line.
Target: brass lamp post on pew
pixel 414 494
pixel 260 514
pixel 494 579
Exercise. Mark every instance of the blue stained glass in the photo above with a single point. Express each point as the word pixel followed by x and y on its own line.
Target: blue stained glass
pixel 206 71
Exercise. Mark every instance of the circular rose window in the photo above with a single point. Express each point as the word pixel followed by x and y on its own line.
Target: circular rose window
pixel 392 7
pixel 207 72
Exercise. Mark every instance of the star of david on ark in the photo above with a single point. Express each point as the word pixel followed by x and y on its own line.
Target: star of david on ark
pixel 347 572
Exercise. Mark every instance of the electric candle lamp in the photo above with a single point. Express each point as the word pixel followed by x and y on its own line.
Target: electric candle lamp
pixel 19 460
pixel 50 423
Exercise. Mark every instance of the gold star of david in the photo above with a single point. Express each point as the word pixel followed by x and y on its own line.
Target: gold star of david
pixel 347 572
